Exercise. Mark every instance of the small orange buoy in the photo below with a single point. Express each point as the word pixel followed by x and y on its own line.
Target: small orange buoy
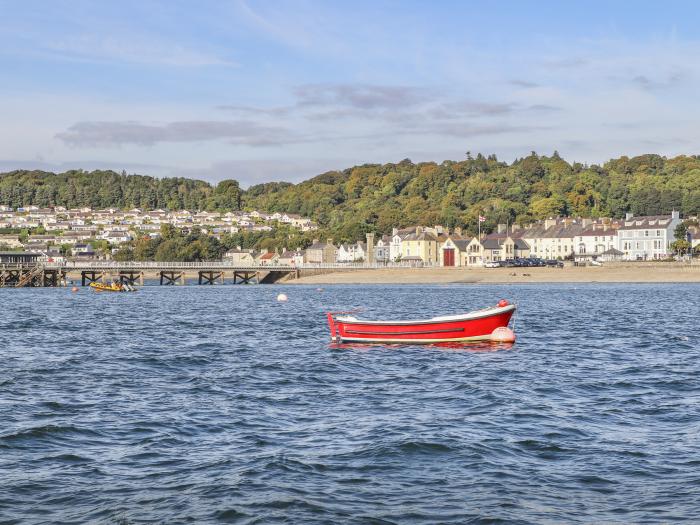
pixel 502 303
pixel 74 289
pixel 503 334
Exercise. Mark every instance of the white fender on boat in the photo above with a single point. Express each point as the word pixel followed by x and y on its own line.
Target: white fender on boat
pixel 282 298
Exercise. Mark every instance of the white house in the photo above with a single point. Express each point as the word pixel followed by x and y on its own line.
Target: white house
pixel 397 236
pixel 343 254
pixel 595 240
pixel 382 250
pixel 351 252
pixel 553 238
pixel 641 238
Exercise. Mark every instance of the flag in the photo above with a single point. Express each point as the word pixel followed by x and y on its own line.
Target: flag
pixel 482 219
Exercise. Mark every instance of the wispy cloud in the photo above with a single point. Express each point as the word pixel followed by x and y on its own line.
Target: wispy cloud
pixel 523 83
pixel 566 63
pixel 360 96
pixel 668 81
pixel 247 133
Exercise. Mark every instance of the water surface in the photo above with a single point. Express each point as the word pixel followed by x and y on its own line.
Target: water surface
pixel 220 405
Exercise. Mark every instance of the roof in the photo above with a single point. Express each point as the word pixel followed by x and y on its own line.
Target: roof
pixel 461 244
pixel 649 221
pixel 268 255
pixel 590 232
pixel 559 230
pixel 491 244
pixel 422 236
pixel 26 254
pixel 320 246
pixel 612 251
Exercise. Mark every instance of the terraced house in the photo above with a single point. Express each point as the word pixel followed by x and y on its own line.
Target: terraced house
pixel 650 237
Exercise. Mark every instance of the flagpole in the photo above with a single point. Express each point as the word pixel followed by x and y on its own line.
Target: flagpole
pixel 481 248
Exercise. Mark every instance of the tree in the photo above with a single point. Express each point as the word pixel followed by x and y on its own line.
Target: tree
pixel 680 246
pixel 680 232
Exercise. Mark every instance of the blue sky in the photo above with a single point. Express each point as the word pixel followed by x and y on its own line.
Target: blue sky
pixel 274 90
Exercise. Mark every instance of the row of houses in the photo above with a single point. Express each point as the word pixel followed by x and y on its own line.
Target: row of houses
pixel 61 219
pixel 632 238
pixel 76 227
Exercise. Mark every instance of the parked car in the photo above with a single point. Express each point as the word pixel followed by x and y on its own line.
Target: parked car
pixel 536 261
pixel 492 264
pixel 553 263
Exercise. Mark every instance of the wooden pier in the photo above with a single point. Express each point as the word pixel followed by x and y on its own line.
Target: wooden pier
pixel 33 275
pixel 50 274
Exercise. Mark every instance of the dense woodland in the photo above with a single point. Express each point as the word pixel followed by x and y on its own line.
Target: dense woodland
pixel 373 197
pixel 108 189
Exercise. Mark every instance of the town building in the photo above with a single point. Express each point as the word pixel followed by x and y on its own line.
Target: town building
pixel 321 252
pixel 649 237
pixel 423 244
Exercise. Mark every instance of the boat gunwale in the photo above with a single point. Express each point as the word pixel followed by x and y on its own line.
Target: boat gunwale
pixel 469 316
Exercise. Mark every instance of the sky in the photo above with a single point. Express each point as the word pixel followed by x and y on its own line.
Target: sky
pixel 282 90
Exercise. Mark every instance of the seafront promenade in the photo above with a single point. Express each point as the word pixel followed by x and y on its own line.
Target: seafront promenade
pixel 618 272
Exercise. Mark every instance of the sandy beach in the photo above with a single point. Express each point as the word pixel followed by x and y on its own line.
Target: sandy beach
pixel 643 272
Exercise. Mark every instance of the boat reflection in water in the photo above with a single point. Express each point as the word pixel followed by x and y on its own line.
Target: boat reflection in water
pixel 466 347
pixel 489 325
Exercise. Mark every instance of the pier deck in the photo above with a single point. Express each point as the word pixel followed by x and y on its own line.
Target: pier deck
pixel 49 274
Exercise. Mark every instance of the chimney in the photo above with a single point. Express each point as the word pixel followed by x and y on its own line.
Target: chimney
pixel 501 228
pixel 458 230
pixel 586 222
pixel 329 241
pixel 675 214
pixel 628 216
pixel 394 231
pixel 315 241
pixel 419 230
pixel 515 227
pixel 548 223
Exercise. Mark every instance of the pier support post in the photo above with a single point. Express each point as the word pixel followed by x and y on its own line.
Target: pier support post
pixel 170 278
pixel 209 277
pixel 90 276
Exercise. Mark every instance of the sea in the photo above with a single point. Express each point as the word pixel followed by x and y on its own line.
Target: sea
pixel 219 404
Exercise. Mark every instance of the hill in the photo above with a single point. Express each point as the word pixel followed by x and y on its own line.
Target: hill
pixel 375 197
pixel 379 197
pixel 108 189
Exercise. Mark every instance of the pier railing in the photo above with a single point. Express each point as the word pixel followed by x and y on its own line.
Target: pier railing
pixel 207 265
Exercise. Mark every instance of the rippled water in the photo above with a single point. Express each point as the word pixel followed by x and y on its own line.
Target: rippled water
pixel 220 405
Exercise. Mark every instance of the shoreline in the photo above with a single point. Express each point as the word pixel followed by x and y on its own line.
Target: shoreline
pixel 632 273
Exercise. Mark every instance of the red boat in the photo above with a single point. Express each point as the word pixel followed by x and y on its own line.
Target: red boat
pixel 489 324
